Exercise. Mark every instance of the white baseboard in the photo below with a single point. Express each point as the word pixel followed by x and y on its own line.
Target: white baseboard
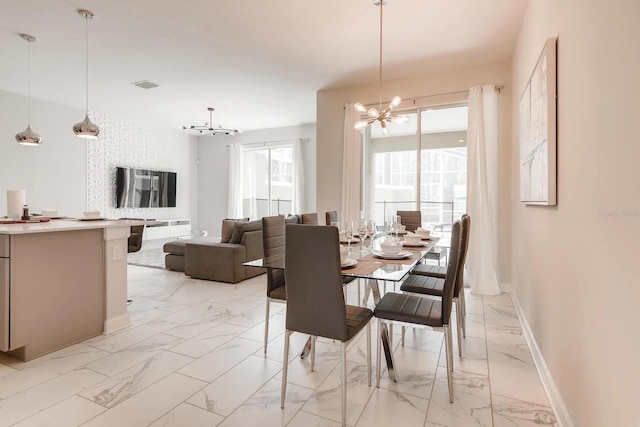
pixel 116 323
pixel 557 404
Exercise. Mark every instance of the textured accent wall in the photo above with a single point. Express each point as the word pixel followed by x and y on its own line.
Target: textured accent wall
pixel 129 144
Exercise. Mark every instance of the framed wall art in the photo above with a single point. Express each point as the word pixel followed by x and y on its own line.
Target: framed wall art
pixel 538 136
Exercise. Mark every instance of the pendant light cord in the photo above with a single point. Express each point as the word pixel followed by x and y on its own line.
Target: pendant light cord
pixel 380 73
pixel 86 39
pixel 29 83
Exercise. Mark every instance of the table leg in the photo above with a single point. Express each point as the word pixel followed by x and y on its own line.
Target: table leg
pixel 386 342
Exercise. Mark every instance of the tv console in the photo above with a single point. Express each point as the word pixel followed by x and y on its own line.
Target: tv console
pixel 164 228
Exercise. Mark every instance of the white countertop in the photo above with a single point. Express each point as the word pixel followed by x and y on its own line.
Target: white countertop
pixel 66 225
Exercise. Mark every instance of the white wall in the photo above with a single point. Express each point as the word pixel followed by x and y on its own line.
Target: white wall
pixel 575 266
pixel 71 174
pixel 136 145
pixel 53 174
pixel 213 170
pixel 330 112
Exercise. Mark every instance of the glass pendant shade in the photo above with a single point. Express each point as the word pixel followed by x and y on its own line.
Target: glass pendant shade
pixel 86 129
pixel 28 137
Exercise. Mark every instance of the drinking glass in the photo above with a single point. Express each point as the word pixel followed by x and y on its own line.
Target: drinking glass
pixel 397 222
pixel 371 232
pixel 362 233
pixel 348 233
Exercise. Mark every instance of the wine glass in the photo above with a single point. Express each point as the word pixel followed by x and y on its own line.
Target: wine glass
pixel 348 233
pixel 371 231
pixel 397 222
pixel 362 233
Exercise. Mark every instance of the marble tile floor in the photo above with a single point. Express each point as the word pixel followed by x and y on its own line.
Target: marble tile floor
pixel 193 356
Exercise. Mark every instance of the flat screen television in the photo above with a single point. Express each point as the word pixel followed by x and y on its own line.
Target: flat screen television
pixel 145 188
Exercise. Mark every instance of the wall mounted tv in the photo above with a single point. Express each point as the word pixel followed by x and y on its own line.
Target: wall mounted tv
pixel 145 188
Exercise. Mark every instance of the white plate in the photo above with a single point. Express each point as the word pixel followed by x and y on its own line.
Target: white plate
pixel 399 255
pixel 414 245
pixel 91 219
pixel 349 263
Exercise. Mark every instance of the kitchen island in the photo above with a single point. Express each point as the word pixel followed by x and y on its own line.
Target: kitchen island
pixel 61 282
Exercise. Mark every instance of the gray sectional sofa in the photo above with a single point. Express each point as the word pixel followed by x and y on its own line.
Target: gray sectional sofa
pixel 221 260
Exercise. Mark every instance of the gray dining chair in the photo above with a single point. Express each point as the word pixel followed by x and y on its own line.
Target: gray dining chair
pixel 421 311
pixel 428 279
pixel 309 218
pixel 331 216
pixel 273 241
pixel 410 219
pixel 315 302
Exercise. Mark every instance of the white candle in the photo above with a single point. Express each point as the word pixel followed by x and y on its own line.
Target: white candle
pixel 15 200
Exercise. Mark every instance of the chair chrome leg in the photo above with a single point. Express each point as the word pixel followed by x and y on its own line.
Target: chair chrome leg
pixel 369 353
pixel 343 381
pixel 266 326
pixel 459 322
pixel 450 347
pixel 285 366
pixel 404 330
pixel 313 352
pixel 391 336
pixel 447 340
pixel 378 353
pixel 463 312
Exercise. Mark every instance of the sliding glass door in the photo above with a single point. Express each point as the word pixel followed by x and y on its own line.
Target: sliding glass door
pixel 267 180
pixel 420 165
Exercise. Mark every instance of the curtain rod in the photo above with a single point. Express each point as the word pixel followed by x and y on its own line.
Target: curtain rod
pixel 457 92
pixel 265 143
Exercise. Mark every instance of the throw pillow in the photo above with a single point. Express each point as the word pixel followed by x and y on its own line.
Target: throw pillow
pixel 239 228
pixel 227 228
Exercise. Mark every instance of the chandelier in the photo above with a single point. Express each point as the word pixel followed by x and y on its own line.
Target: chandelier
pixel 380 115
pixel 208 128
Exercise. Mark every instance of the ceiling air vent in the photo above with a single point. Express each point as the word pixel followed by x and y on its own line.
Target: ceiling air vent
pixel 145 84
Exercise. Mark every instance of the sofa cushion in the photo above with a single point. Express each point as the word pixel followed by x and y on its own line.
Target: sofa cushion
pixel 239 228
pixel 291 219
pixel 175 247
pixel 227 228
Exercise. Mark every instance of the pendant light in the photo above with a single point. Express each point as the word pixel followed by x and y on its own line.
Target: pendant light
pixel 29 137
pixel 86 129
pixel 380 115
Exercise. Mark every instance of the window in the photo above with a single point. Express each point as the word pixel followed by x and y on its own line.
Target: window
pixel 420 165
pixel 267 180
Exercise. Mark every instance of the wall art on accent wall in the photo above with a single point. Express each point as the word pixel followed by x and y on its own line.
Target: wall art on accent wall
pixel 538 131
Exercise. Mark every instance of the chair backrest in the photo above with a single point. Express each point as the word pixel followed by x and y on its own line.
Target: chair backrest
pixel 331 216
pixel 410 219
pixel 273 242
pixel 310 218
pixel 450 281
pixel 135 238
pixel 315 302
pixel 464 245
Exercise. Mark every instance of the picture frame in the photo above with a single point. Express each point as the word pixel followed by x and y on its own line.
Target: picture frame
pixel 538 131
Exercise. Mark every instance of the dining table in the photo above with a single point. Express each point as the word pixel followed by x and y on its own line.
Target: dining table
pixel 369 264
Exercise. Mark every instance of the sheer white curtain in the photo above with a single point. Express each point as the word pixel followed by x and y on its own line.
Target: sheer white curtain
pixel 234 209
pixel 482 189
pixel 351 167
pixel 297 203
